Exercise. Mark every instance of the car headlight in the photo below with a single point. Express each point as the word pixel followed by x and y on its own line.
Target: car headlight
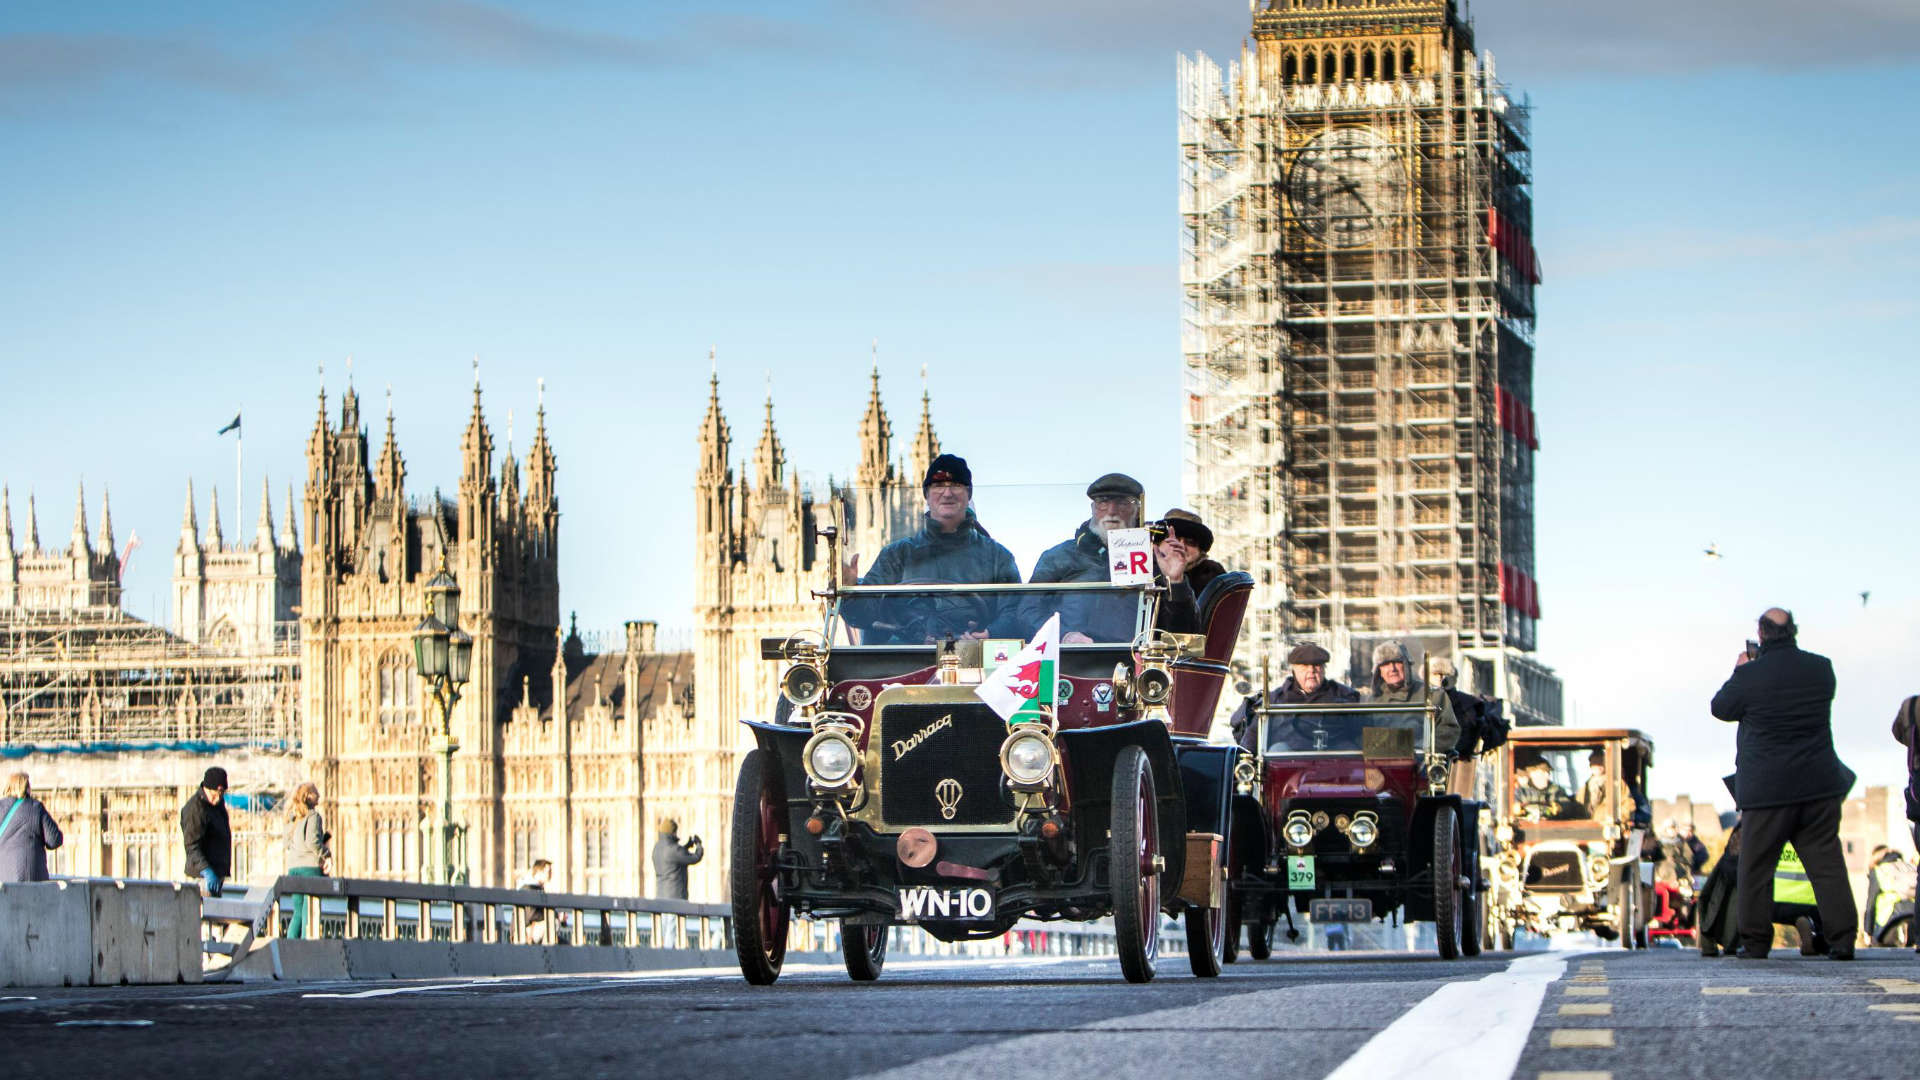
pixel 1503 833
pixel 803 684
pixel 1298 831
pixel 1598 868
pixel 1438 773
pixel 1154 685
pixel 1027 757
pixel 830 758
pixel 1363 830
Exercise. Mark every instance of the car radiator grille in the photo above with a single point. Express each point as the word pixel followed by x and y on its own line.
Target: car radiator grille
pixel 940 766
pixel 1555 871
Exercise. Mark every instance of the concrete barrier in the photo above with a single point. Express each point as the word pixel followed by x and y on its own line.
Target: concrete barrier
pixel 99 932
pixel 329 959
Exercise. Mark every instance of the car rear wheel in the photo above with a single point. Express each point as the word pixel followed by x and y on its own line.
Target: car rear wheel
pixel 760 918
pixel 865 950
pixel 1230 943
pixel 1134 852
pixel 1473 924
pixel 1446 882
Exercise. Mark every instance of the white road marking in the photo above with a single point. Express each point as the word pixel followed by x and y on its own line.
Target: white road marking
pixel 389 991
pixel 1462 1031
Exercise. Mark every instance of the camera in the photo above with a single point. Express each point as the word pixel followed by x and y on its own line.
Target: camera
pixel 1753 650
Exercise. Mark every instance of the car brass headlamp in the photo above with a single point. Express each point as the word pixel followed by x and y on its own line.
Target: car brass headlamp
pixel 1154 685
pixel 1363 830
pixel 1027 756
pixel 1598 868
pixel 1298 831
pixel 1503 833
pixel 830 758
pixel 803 684
pixel 1438 772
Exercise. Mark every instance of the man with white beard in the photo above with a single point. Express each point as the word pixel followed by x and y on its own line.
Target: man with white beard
pixel 1115 504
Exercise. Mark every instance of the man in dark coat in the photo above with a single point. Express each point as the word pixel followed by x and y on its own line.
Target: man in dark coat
pixel 1306 684
pixel 1788 781
pixel 206 834
pixel 1115 500
pixel 1185 570
pixel 950 548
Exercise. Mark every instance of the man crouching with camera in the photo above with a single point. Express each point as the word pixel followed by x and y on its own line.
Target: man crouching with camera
pixel 1788 782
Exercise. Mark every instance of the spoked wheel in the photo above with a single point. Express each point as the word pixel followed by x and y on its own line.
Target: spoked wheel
pixel 1230 941
pixel 1447 906
pixel 760 918
pixel 1207 927
pixel 1260 939
pixel 865 950
pixel 1134 851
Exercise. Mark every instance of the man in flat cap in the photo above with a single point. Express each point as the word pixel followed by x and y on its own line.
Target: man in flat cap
pixel 950 548
pixel 1115 504
pixel 1306 684
pixel 1394 684
pixel 1185 569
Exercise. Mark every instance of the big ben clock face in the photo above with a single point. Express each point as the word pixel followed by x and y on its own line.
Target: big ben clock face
pixel 1346 187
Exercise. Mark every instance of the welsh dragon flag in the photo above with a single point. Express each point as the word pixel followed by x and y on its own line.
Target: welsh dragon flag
pixel 1018 687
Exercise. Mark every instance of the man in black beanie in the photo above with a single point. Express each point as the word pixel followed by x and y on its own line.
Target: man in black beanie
pixel 204 830
pixel 950 548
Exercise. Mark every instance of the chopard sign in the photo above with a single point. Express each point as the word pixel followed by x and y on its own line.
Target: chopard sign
pixel 903 747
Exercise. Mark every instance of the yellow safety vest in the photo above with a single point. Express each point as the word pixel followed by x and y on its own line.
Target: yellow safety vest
pixel 1896 879
pixel 1790 882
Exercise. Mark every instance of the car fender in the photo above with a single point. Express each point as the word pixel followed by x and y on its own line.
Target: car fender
pixel 1089 754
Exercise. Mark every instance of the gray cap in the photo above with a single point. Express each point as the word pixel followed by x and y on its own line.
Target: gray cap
pixel 1308 654
pixel 1115 484
pixel 1388 651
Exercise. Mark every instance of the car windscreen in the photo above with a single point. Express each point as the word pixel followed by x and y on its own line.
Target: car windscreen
pixel 1566 783
pixel 1375 732
pixel 927 565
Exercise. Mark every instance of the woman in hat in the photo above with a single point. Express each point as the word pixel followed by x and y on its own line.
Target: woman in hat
pixel 1181 555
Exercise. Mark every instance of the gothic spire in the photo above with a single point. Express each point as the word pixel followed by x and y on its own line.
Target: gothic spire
pixel 81 545
pixel 715 440
pixel 215 538
pixel 263 530
pixel 926 444
pixel 876 435
pixel 540 457
pixel 390 471
pixel 106 522
pixel 769 458
pixel 6 523
pixel 33 526
pixel 190 523
pixel 289 530
pixel 476 445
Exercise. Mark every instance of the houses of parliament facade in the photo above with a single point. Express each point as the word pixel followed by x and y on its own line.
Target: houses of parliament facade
pixel 287 660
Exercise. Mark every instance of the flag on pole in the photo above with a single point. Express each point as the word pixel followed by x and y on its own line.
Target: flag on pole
pixel 235 426
pixel 1018 688
pixel 126 555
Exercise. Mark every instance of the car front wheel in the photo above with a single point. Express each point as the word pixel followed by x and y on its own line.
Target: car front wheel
pixel 760 918
pixel 1446 883
pixel 1134 854
pixel 865 950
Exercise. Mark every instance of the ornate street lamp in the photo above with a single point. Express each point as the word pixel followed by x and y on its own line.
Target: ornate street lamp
pixel 443 653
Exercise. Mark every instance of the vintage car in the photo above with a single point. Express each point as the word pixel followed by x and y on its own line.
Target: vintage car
pixel 1344 814
pixel 886 792
pixel 1569 837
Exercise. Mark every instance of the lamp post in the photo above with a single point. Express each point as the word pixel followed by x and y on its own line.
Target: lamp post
pixel 444 655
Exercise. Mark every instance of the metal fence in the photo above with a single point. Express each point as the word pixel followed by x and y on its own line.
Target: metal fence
pixel 362 909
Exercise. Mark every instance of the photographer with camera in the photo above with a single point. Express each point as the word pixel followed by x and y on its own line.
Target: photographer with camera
pixel 306 847
pixel 671 859
pixel 1788 781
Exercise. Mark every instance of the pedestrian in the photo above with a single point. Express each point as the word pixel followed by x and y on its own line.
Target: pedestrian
pixel 307 849
pixel 1904 721
pixel 1696 849
pixel 671 859
pixel 207 835
pixel 1788 782
pixel 27 832
pixel 540 922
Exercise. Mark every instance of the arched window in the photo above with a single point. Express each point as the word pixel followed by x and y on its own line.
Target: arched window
pixel 1406 61
pixel 1370 65
pixel 1329 66
pixel 1311 69
pixel 1388 68
pixel 1346 66
pixel 399 689
pixel 1290 67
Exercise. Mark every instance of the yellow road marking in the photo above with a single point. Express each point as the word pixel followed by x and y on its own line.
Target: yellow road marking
pixel 1710 990
pixel 1595 1009
pixel 1901 1007
pixel 1592 966
pixel 1581 1039
pixel 1897 986
pixel 1588 979
pixel 1587 991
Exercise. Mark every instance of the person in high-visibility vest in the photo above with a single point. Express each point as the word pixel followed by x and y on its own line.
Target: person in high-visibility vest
pixel 1889 885
pixel 1793 902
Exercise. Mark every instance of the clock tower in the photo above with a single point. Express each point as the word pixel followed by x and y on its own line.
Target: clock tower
pixel 1358 276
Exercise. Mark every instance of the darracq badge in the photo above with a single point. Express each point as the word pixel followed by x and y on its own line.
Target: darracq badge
pixel 859 698
pixel 947 792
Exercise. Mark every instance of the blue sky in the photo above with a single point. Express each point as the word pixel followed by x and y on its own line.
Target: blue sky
pixel 202 203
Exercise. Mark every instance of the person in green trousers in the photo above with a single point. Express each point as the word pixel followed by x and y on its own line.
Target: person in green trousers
pixel 306 847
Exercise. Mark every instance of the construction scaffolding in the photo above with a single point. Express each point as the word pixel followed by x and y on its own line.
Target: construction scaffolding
pixel 1358 327
pixel 94 679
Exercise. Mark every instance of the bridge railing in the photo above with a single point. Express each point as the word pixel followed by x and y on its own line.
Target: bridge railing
pixel 365 909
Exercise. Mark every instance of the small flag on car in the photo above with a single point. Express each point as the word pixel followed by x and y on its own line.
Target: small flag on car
pixel 1018 688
